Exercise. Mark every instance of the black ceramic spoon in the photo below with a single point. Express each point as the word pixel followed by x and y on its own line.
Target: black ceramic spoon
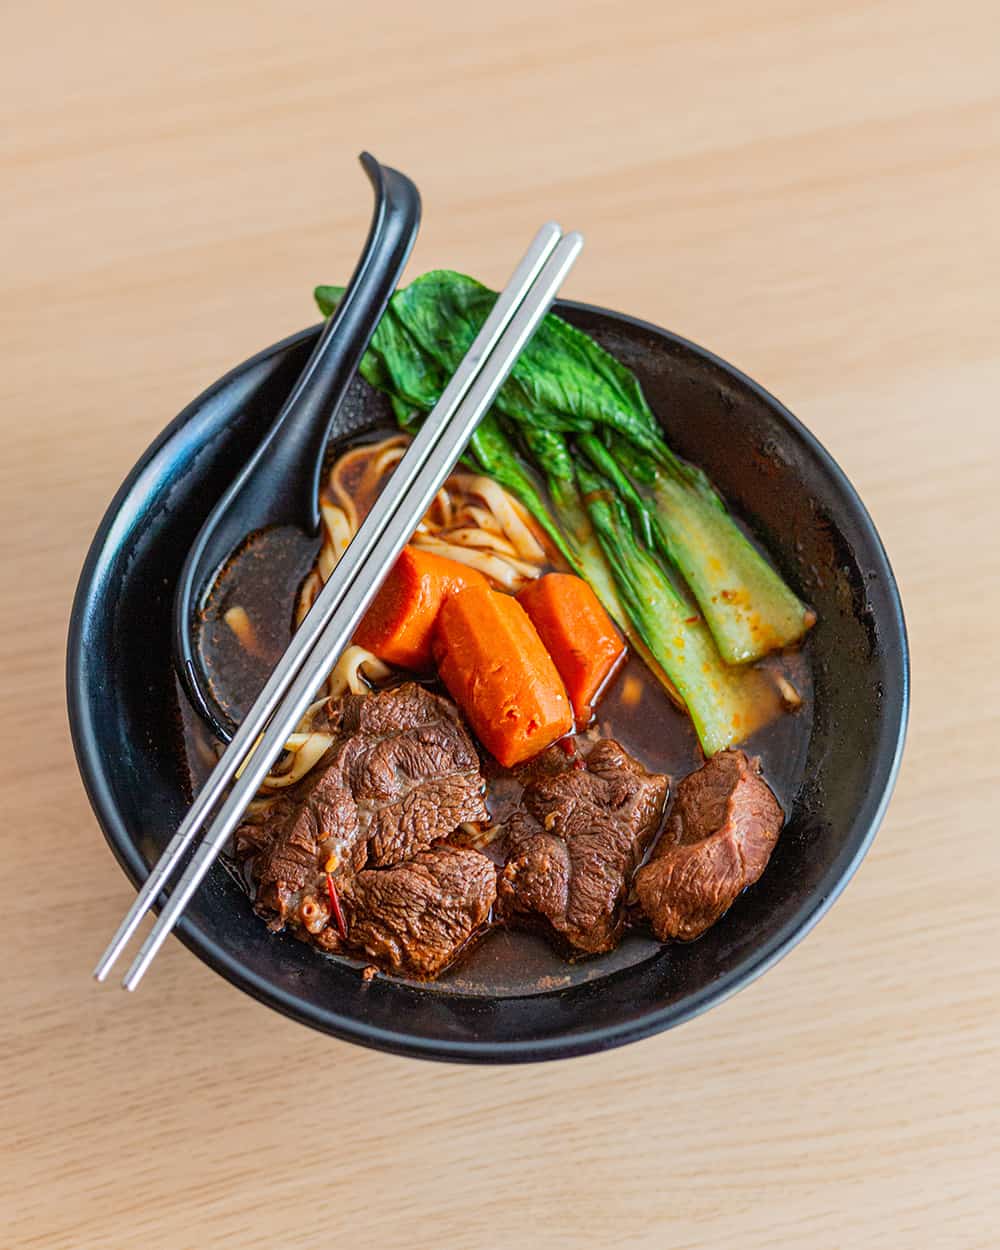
pixel 279 485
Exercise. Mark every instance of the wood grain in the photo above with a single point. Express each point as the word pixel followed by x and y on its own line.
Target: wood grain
pixel 813 191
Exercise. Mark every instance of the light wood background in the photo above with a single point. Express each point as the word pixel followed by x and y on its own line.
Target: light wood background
pixel 812 190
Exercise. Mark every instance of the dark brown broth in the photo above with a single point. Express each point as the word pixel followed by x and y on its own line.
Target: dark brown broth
pixel 262 578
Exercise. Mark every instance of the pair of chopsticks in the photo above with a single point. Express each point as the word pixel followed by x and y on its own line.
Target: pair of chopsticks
pixel 352 585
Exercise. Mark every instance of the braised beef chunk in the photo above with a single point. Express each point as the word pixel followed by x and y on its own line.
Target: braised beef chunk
pixel 402 772
pixel 718 839
pixel 412 770
pixel 572 848
pixel 414 918
pixel 307 825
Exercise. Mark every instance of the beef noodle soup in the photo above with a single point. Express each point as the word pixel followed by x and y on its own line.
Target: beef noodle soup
pixel 500 784
pixel 574 717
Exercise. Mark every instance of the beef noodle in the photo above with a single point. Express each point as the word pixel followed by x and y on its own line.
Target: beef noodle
pixel 491 756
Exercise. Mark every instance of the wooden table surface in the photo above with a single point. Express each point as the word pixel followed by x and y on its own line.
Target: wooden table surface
pixel 811 190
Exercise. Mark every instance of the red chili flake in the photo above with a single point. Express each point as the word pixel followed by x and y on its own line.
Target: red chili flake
pixel 569 746
pixel 338 915
pixel 692 620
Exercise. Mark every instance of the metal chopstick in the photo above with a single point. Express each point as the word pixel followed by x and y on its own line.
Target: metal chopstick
pixel 326 603
pixel 410 507
pixel 412 501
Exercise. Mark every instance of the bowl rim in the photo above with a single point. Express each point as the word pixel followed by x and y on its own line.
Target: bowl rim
pixel 96 777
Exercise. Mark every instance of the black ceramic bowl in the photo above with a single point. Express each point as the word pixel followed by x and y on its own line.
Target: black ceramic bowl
pixel 123 704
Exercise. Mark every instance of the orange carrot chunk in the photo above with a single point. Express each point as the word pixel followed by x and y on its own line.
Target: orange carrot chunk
pixel 493 662
pixel 399 624
pixel 577 633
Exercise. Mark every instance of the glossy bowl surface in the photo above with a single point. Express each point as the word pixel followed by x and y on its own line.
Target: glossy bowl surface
pixel 124 712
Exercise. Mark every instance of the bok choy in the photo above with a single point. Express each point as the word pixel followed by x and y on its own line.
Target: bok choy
pixel 645 528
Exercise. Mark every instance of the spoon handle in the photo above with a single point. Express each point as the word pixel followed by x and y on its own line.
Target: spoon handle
pixel 300 433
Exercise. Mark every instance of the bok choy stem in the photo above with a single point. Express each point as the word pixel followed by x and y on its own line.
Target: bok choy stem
pixel 746 604
pixel 725 703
